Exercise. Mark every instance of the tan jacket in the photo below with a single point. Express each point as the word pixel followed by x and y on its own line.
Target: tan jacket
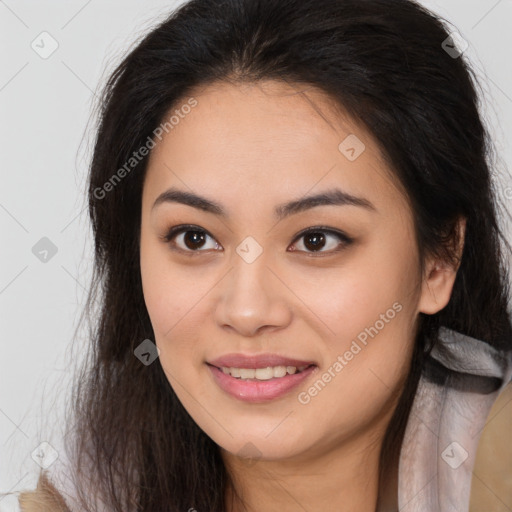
pixel 43 499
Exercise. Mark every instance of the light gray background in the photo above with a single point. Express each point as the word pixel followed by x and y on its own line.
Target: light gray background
pixel 45 140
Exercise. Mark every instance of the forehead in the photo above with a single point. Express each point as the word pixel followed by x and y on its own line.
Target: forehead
pixel 267 139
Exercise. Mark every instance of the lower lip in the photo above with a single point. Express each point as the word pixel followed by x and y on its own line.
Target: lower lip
pixel 259 390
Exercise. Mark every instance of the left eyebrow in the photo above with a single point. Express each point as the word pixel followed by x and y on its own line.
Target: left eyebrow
pixel 332 197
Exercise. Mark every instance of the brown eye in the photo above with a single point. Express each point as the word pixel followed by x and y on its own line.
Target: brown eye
pixel 194 239
pixel 316 239
pixel 189 239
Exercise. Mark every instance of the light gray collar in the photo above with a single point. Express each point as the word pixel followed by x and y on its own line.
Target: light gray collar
pixel 460 382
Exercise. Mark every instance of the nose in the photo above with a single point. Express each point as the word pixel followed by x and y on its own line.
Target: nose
pixel 253 299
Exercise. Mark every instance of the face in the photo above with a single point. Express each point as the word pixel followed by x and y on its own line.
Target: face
pixel 255 269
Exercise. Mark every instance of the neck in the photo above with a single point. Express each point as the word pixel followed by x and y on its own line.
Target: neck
pixel 342 477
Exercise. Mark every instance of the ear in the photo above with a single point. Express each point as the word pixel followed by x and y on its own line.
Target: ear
pixel 439 277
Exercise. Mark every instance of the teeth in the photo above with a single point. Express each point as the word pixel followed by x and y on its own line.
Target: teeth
pixel 270 372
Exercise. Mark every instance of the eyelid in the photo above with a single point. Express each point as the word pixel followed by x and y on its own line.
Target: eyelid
pixel 183 228
pixel 178 229
pixel 323 229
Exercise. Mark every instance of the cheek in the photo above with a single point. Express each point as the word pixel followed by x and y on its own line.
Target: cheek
pixel 367 313
pixel 165 295
pixel 365 366
pixel 174 296
pixel 345 300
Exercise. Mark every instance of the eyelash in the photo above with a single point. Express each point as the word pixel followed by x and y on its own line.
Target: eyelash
pixel 177 230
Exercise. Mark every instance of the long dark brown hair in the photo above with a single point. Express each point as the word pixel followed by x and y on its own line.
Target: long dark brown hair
pixel 385 63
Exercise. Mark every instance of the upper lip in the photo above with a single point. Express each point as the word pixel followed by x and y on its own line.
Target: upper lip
pixel 257 361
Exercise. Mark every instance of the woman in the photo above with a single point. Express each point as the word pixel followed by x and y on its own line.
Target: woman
pixel 302 279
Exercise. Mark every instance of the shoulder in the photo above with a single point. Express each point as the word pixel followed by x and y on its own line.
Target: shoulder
pixel 491 486
pixel 45 498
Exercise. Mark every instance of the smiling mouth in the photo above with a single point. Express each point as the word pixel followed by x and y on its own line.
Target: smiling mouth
pixel 261 384
pixel 262 374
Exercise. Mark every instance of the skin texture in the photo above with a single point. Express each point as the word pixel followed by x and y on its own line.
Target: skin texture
pixel 249 148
